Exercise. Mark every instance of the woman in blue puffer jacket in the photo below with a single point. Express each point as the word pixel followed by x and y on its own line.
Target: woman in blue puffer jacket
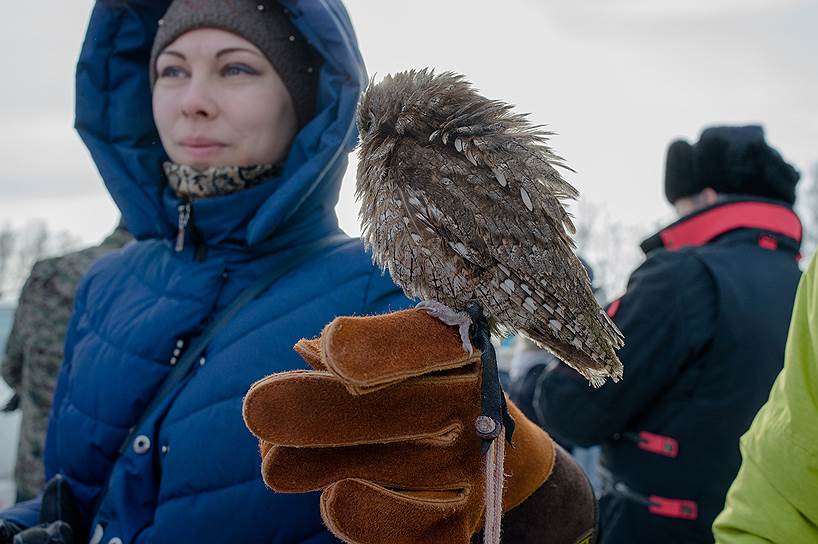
pixel 272 86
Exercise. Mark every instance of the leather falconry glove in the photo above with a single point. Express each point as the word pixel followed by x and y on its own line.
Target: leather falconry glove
pixel 384 425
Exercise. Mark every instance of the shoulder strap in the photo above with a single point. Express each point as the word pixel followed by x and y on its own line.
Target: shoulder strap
pixel 199 344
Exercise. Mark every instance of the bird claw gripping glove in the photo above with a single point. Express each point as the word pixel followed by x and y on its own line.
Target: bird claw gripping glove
pixel 384 426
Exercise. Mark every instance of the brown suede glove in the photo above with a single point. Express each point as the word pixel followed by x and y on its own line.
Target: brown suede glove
pixel 384 425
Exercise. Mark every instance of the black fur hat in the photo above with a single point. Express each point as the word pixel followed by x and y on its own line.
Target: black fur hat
pixel 731 160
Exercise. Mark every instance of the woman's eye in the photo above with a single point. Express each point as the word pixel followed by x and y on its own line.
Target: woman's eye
pixel 172 71
pixel 238 69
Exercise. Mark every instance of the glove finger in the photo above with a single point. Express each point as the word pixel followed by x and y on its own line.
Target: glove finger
pixel 305 408
pixel 372 352
pixel 310 351
pixel 361 511
pixel 452 457
pixel 449 461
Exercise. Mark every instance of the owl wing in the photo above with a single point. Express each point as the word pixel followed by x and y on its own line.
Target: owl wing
pixel 485 222
pixel 488 134
pixel 517 227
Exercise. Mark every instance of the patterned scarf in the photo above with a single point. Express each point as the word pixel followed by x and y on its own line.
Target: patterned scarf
pixel 187 182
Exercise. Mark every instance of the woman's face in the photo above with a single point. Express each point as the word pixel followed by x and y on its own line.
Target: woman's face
pixel 218 101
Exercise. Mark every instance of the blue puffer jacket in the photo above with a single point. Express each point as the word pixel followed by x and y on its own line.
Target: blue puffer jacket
pixel 197 477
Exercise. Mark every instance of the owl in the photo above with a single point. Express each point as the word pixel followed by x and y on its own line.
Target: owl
pixel 461 200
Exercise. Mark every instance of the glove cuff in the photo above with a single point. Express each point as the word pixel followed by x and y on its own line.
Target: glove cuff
pixel 529 460
pixel 563 509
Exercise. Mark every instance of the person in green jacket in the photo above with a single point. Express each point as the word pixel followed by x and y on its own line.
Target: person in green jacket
pixel 774 498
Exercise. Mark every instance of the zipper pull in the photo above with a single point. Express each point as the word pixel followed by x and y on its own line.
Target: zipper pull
pixel 184 217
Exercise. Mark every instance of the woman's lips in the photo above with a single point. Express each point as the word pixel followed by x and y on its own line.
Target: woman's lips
pixel 202 147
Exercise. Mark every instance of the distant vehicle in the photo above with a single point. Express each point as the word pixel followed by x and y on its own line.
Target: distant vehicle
pixel 9 423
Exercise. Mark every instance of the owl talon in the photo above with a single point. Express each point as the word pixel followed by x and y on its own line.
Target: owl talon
pixel 464 329
pixel 450 317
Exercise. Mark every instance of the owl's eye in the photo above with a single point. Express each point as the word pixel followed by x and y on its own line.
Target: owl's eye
pixel 371 122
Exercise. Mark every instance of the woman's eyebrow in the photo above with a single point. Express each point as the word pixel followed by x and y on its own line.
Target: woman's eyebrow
pixel 233 50
pixel 174 53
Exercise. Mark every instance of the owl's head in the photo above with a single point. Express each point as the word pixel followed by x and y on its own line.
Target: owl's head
pixel 378 110
pixel 411 103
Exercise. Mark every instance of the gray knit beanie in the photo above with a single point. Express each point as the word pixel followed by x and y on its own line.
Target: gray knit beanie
pixel 265 24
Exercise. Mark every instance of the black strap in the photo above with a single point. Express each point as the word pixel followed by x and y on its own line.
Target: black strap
pixel 494 413
pixel 199 344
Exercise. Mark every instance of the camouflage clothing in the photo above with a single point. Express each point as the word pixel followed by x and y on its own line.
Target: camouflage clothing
pixel 35 348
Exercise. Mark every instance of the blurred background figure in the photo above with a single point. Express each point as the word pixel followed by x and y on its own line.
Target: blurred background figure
pixel 528 366
pixel 9 422
pixel 34 350
pixel 705 321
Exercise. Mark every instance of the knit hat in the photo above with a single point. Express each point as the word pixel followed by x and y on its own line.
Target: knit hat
pixel 262 22
pixel 731 160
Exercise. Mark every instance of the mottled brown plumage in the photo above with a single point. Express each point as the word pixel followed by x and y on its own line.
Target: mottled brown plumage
pixel 461 201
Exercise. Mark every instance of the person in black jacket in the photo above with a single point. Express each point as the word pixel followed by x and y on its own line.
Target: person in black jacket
pixel 705 321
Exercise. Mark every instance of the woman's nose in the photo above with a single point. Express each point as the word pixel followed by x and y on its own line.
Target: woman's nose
pixel 198 100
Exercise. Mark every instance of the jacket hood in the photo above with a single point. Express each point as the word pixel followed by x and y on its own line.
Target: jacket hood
pixel 115 120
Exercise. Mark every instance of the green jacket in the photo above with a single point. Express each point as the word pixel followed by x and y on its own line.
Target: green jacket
pixel 775 495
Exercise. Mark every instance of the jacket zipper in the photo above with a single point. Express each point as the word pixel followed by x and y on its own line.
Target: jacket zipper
pixel 184 218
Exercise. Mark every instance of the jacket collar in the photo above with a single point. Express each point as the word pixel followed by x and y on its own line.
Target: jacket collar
pixel 703 226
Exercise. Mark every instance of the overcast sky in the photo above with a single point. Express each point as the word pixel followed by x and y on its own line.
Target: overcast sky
pixel 617 80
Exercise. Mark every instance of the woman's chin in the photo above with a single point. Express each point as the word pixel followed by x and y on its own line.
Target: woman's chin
pixel 201 165
pixel 204 158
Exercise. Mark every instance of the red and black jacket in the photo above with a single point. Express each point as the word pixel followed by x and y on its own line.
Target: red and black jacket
pixel 705 320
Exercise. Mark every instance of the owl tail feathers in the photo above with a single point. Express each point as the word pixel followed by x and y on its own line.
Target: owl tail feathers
pixel 597 371
pixel 598 379
pixel 596 368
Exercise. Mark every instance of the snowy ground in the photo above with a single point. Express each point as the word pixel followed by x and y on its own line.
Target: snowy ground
pixel 9 424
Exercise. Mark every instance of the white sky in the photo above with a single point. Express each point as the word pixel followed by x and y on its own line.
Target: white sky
pixel 617 80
